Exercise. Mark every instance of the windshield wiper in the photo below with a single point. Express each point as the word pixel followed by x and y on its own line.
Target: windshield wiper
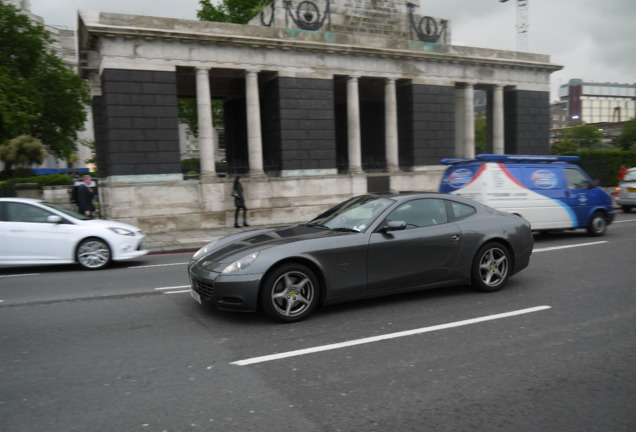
pixel 344 229
pixel 317 225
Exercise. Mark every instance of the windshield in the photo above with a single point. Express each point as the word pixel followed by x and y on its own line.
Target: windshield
pixel 355 214
pixel 630 176
pixel 65 211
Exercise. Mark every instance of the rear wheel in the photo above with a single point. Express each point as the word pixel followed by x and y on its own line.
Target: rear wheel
pixel 598 224
pixel 627 209
pixel 289 293
pixel 491 267
pixel 93 254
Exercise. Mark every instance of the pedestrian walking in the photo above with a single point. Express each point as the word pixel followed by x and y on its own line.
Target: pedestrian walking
pixel 85 196
pixel 239 202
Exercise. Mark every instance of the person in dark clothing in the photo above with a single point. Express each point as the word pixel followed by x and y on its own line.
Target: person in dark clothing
pixel 239 202
pixel 85 195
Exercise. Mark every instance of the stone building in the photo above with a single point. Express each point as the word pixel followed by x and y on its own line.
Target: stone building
pixel 322 100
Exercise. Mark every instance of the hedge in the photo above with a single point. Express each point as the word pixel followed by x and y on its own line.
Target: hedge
pixel 603 165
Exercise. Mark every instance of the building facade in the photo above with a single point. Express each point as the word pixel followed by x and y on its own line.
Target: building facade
pixel 598 102
pixel 322 100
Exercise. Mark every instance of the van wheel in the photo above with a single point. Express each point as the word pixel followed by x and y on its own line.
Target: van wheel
pixel 598 225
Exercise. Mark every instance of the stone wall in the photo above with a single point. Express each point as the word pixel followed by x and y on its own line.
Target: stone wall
pixel 161 206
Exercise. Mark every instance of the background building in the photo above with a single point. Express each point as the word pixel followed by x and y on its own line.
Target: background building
pixel 598 102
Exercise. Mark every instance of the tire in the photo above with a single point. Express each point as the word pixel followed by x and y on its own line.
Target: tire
pixel 627 209
pixel 491 267
pixel 93 254
pixel 598 224
pixel 289 293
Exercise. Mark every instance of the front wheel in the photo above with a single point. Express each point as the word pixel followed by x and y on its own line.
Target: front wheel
pixel 289 293
pixel 491 267
pixel 93 254
pixel 598 225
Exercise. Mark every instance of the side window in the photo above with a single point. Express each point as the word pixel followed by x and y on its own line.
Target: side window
pixel 462 211
pixel 420 213
pixel 20 212
pixel 576 179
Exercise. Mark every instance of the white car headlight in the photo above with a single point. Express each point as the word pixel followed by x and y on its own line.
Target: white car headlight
pixel 122 231
pixel 241 264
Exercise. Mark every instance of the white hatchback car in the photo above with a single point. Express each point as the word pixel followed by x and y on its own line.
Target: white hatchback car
pixel 625 193
pixel 34 232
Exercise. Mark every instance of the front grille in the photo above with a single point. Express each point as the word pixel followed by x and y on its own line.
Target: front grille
pixel 203 289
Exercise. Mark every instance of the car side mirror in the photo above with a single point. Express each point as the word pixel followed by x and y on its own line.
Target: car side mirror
pixel 54 219
pixel 394 226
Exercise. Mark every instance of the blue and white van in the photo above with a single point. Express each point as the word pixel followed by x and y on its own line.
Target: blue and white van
pixel 548 191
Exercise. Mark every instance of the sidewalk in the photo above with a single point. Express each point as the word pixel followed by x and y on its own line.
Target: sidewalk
pixel 189 241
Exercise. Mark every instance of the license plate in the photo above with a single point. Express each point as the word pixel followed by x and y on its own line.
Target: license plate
pixel 631 190
pixel 195 295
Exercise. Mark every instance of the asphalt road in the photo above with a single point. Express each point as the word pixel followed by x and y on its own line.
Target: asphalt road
pixel 127 349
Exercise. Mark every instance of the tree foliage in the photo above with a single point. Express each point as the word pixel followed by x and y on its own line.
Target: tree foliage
pixel 579 137
pixel 230 11
pixel 39 95
pixel 22 152
pixel 627 140
pixel 481 134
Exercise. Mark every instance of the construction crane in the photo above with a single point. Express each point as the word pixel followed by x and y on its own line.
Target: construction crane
pixel 522 24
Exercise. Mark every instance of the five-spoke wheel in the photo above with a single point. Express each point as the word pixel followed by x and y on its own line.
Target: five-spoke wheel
pixel 491 267
pixel 93 254
pixel 289 293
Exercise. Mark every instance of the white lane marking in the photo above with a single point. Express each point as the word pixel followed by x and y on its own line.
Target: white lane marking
pixel 172 288
pixel 20 275
pixel 156 265
pixel 177 292
pixel 385 337
pixel 626 220
pixel 568 246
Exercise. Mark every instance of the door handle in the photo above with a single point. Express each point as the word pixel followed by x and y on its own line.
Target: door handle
pixel 455 237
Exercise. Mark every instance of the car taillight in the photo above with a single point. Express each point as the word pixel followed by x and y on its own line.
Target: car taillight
pixel 617 191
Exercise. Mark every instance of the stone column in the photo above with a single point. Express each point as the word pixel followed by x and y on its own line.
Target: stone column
pixel 254 138
pixel 469 121
pixel 391 126
pixel 498 121
pixel 204 113
pixel 353 125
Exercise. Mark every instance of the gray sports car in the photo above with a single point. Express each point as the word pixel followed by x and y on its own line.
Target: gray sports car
pixel 367 246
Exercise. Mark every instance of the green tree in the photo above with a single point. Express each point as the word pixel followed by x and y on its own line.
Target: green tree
pixel 39 95
pixel 230 11
pixel 481 134
pixel 22 152
pixel 580 136
pixel 627 139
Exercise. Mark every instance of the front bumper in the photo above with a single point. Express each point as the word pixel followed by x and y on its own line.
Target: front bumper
pixel 226 292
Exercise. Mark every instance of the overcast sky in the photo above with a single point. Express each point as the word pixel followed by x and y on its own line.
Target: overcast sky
pixel 594 40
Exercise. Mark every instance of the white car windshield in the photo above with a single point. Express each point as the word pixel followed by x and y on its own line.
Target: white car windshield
pixel 630 176
pixel 65 211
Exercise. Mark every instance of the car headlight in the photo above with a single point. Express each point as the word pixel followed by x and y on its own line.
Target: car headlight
pixel 122 231
pixel 204 250
pixel 241 264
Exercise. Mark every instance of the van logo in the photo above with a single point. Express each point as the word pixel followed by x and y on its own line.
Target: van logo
pixel 459 177
pixel 544 179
